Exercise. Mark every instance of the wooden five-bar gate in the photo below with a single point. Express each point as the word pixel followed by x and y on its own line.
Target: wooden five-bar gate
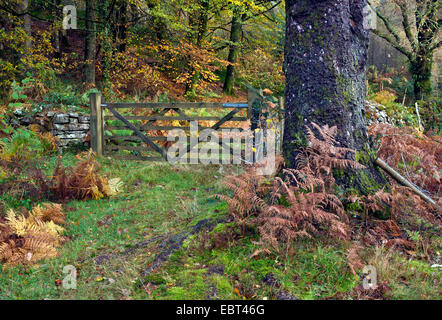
pixel 113 130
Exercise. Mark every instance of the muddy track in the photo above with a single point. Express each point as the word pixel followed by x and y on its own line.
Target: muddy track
pixel 173 243
pixel 168 245
pixel 101 259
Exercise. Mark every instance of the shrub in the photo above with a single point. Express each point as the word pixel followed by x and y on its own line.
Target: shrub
pixel 431 113
pixel 416 156
pixel 247 196
pixel 62 97
pixel 384 97
pixel 261 70
pixel 22 145
pixel 303 204
pixel 82 181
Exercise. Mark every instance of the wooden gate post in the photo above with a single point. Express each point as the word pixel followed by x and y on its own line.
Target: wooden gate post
pixel 253 113
pixel 96 125
pixel 281 116
pixel 252 98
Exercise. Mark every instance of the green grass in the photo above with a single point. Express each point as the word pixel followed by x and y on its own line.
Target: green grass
pixel 160 200
pixel 312 272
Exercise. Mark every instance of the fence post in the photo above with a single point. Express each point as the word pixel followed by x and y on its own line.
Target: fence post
pixel 96 125
pixel 253 114
pixel 281 123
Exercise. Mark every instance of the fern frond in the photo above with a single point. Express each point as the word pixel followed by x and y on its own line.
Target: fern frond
pixel 32 236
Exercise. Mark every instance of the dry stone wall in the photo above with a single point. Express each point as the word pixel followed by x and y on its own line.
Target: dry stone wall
pixel 69 127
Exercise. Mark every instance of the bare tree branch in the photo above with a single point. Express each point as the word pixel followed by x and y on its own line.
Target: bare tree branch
pixel 436 45
pixel 394 44
pixel 406 24
pixel 387 24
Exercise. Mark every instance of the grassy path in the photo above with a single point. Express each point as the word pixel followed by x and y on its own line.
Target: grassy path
pixel 115 245
pixel 157 200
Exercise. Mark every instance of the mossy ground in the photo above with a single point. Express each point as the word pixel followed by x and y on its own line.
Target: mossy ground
pixel 108 246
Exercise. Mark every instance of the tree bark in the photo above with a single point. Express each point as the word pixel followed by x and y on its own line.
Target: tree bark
pixel 421 65
pixel 326 53
pixel 119 28
pixel 91 43
pixel 59 39
pixel 27 24
pixel 123 28
pixel 421 68
pixel 235 35
pixel 201 31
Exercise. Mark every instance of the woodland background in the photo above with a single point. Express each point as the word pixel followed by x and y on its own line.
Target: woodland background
pixel 143 49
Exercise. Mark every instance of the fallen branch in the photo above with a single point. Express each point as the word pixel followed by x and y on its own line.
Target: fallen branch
pixel 402 180
pixel 421 129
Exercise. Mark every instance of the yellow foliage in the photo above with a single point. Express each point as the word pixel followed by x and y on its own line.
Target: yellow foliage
pixel 48 141
pixel 31 237
pixel 48 212
pixel 84 181
pixel 384 97
pixel 3 173
pixel 22 225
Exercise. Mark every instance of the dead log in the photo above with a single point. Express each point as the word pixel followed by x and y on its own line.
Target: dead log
pixel 402 180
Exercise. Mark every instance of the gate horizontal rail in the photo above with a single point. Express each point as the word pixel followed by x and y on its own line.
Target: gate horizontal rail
pixel 156 128
pixel 179 105
pixel 171 118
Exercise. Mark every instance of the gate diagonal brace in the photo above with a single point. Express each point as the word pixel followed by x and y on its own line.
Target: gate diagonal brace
pixel 216 126
pixel 139 133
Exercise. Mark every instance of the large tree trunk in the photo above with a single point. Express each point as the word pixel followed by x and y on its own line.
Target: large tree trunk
pixel 123 27
pixel 421 65
pixel 60 39
pixel 420 69
pixel 27 24
pixel 91 43
pixel 325 62
pixel 235 35
pixel 200 27
pixel 119 27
